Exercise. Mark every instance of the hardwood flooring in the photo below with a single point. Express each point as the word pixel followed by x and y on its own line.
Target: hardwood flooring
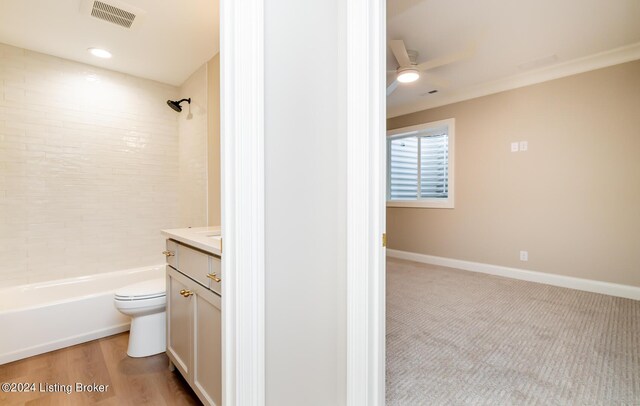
pixel 132 381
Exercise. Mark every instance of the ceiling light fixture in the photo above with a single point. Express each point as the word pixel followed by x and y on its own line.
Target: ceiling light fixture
pixel 100 53
pixel 408 75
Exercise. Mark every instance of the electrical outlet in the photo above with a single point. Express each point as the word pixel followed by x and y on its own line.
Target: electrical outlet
pixel 524 145
pixel 514 147
pixel 524 256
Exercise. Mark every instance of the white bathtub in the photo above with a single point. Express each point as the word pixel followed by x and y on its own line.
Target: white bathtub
pixel 46 316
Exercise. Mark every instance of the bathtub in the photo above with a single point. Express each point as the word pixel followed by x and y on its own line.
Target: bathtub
pixel 46 316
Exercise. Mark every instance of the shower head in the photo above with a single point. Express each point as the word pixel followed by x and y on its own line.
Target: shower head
pixel 176 104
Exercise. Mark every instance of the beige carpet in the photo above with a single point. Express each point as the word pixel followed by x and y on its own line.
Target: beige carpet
pixel 463 338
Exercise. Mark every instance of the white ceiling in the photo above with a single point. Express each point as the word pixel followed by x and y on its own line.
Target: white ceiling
pixel 174 38
pixel 507 34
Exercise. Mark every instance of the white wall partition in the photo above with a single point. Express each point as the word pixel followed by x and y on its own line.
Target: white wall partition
pixel 305 183
pixel 88 168
pixel 304 300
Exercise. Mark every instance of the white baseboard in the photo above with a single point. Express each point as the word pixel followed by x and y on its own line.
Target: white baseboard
pixel 588 285
pixel 63 343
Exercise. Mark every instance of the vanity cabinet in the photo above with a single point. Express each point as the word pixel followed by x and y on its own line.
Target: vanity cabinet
pixel 179 322
pixel 194 320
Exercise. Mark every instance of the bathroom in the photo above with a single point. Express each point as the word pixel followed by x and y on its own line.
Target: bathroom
pixel 94 163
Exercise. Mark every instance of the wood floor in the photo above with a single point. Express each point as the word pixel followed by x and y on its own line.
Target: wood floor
pixel 132 381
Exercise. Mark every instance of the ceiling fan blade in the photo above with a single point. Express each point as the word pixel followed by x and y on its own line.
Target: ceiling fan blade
pixel 392 87
pixel 447 59
pixel 400 52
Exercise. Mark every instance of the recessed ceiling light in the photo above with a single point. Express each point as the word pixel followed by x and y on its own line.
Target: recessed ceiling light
pixel 100 53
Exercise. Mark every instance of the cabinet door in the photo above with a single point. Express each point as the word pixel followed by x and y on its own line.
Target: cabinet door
pixel 179 322
pixel 207 368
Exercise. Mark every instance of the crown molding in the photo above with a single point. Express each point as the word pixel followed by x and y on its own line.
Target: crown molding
pixel 596 61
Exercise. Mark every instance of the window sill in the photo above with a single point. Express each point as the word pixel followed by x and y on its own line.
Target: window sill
pixel 422 204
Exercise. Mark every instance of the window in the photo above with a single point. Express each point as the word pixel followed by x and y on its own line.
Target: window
pixel 420 165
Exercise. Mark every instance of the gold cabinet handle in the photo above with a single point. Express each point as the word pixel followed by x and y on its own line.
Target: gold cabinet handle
pixel 186 293
pixel 169 253
pixel 213 276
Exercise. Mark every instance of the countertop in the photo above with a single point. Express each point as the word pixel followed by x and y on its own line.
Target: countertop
pixel 205 238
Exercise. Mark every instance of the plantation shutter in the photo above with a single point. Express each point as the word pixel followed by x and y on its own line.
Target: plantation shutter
pixel 403 169
pixel 434 166
pixel 428 152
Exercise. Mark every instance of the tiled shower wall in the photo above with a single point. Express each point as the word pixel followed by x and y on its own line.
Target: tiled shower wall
pixel 193 151
pixel 88 168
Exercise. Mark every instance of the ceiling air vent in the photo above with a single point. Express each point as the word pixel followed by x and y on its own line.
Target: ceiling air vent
pixel 113 11
pixel 112 14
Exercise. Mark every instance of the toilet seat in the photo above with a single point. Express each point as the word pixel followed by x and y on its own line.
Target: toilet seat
pixel 138 297
pixel 151 289
pixel 125 304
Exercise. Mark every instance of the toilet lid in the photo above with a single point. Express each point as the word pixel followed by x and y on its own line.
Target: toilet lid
pixel 143 290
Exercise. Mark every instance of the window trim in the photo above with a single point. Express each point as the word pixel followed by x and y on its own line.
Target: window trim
pixel 427 203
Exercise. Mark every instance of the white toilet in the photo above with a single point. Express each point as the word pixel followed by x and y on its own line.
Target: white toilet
pixel 145 303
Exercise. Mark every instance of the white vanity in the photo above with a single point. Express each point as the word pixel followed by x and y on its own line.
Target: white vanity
pixel 194 316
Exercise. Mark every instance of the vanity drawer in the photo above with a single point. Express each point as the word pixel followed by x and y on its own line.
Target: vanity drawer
pixel 171 253
pixel 203 268
pixel 193 263
pixel 215 275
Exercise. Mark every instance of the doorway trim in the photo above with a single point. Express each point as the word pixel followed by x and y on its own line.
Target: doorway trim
pixel 366 191
pixel 242 179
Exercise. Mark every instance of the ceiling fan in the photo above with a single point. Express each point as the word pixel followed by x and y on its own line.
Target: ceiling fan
pixel 409 69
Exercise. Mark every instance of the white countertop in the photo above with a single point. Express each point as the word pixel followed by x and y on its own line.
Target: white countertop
pixel 205 238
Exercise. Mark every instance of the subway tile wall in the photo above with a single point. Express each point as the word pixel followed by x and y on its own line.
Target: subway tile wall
pixel 192 151
pixel 88 168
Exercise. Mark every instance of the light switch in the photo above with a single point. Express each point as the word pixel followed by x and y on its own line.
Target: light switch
pixel 514 147
pixel 524 145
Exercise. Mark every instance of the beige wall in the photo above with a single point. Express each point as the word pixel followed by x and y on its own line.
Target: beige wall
pixel 213 140
pixel 572 200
